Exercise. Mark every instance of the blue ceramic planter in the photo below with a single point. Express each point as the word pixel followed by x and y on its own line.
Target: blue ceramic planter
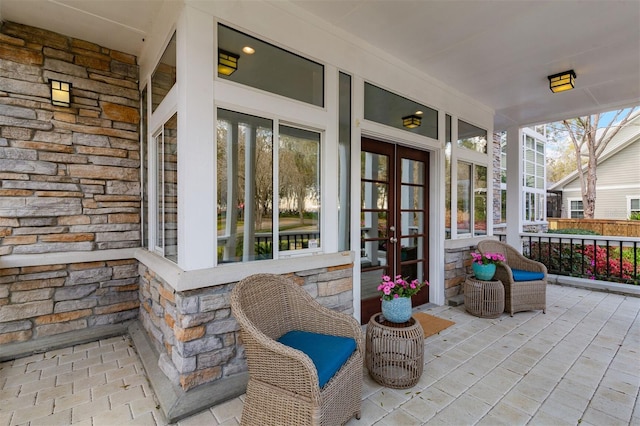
pixel 483 272
pixel 397 310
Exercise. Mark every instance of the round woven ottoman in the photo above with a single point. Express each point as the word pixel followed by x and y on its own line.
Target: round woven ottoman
pixel 484 299
pixel 394 352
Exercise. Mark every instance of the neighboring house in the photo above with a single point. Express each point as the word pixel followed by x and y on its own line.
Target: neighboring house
pixel 618 183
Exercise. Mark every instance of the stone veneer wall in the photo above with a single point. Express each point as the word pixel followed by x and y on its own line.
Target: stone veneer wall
pixel 69 182
pixel 41 301
pixel 457 266
pixel 196 335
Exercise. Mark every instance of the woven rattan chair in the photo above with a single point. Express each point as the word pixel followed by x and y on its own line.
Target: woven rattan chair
pixel 525 280
pixel 284 386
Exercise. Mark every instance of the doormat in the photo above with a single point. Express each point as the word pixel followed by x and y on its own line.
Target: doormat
pixel 430 324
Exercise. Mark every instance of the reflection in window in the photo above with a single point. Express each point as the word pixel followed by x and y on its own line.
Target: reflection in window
pixel 246 198
pixel 272 69
pixel 164 76
pixel 472 137
pixel 299 189
pixel 344 162
pixel 479 200
pixel 166 146
pixel 472 199
pixel 144 175
pixel 447 177
pixel 387 108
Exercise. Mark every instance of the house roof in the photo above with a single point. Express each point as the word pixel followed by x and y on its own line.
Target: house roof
pixel 628 135
pixel 497 52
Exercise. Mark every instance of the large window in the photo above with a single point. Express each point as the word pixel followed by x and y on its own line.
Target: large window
pixel 344 162
pixel 251 214
pixel 466 180
pixel 166 179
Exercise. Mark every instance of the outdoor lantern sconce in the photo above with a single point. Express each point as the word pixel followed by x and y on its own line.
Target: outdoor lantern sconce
pixel 227 62
pixel 60 93
pixel 562 81
pixel 411 121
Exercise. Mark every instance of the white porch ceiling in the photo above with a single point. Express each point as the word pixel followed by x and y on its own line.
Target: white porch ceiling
pixel 498 52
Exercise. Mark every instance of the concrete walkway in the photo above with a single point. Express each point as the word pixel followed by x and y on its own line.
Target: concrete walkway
pixel 578 364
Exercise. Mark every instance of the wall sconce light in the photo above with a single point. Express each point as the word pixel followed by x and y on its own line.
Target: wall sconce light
pixel 60 93
pixel 411 121
pixel 562 81
pixel 227 62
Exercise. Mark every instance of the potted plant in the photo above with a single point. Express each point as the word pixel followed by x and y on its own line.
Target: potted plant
pixel 396 297
pixel 484 265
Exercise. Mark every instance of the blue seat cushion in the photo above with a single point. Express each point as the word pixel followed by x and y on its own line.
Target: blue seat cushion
pixel 520 275
pixel 328 353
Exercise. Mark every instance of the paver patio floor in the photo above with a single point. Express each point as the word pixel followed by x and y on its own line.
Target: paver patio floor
pixel 577 364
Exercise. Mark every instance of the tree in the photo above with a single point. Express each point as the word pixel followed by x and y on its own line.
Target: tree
pixel 590 136
pixel 562 164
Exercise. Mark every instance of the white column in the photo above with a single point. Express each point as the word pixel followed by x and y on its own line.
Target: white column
pixel 514 187
pixel 196 140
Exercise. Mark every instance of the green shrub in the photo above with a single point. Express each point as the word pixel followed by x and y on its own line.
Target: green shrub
pixel 634 216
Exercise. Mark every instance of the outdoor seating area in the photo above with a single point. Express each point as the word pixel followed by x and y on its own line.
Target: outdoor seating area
pixel 575 365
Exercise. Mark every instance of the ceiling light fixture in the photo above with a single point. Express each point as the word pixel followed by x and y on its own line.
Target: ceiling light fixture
pixel 562 81
pixel 60 93
pixel 249 50
pixel 411 121
pixel 227 62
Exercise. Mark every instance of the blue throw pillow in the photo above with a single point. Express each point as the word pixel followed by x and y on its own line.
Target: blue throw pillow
pixel 520 275
pixel 328 353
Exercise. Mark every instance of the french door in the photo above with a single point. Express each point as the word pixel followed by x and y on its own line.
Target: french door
pixel 393 219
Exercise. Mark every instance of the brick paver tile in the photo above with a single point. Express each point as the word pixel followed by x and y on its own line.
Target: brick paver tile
pixel 54 392
pixel 24 415
pixel 98 351
pixel 89 409
pixel 56 370
pixel 87 362
pixel 18 402
pixel 115 416
pixel 148 419
pixel 107 389
pixel 86 346
pixel 101 368
pixel 22 379
pixel 227 410
pixel 63 418
pixel 76 356
pixel 144 405
pixel 38 385
pixel 41 365
pixel 28 360
pixel 72 400
pixel 126 395
pixel 120 373
pixel 72 376
pixel 89 382
pixel 114 356
pixel 202 418
pixel 58 352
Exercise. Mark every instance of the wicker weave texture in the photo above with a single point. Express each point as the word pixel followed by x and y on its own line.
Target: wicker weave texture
pixel 484 299
pixel 519 295
pixel 395 354
pixel 283 384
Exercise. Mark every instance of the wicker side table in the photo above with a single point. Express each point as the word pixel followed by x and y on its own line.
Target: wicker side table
pixel 394 352
pixel 484 299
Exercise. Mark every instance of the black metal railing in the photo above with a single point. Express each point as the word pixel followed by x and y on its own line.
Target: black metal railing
pixel 607 258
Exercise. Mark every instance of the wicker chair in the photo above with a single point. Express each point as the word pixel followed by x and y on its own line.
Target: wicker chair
pixel 284 386
pixel 522 291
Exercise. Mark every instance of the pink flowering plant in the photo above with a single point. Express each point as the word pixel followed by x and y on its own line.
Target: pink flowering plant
pixel 399 287
pixel 487 258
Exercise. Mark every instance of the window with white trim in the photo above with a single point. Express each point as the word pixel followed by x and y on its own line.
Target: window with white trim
pixel 251 213
pixel 576 209
pixel 633 207
pixel 166 194
pixel 534 178
pixel 466 180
